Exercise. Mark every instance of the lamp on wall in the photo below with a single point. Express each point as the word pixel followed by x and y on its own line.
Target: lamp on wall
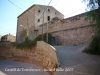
pixel 21 25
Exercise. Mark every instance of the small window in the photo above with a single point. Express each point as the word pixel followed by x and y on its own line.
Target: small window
pixel 38 20
pixel 55 13
pixel 48 10
pixel 48 18
pixel 39 11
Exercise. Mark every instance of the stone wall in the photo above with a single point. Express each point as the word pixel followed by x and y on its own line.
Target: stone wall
pixel 37 55
pixel 11 38
pixel 25 21
pixel 51 51
pixel 32 18
pixel 8 37
pixel 75 36
pixel 71 31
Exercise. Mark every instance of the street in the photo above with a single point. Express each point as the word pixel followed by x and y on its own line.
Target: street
pixel 78 63
pixel 18 68
pixel 72 62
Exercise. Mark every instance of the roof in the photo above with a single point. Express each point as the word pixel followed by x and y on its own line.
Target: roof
pixel 30 8
pixel 7 35
pixel 34 6
pixel 26 10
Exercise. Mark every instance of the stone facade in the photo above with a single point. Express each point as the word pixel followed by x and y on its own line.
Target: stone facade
pixel 31 19
pixel 8 37
pixel 71 31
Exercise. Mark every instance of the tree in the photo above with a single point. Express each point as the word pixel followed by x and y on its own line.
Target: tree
pixel 94 12
pixel 94 15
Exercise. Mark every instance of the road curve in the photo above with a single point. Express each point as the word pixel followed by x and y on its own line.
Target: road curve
pixel 18 68
pixel 75 62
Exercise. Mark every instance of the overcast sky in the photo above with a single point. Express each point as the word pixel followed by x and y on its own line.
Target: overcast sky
pixel 9 11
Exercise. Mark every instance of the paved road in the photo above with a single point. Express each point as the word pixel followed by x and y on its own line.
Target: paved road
pixel 79 63
pixel 19 68
pixel 71 58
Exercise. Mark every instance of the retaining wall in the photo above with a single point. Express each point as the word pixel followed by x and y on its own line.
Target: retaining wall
pixel 44 56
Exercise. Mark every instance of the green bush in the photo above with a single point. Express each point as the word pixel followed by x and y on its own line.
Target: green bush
pixel 26 44
pixel 94 46
pixel 29 44
pixel 39 38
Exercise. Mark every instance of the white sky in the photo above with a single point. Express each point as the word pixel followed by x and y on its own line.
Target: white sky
pixel 69 7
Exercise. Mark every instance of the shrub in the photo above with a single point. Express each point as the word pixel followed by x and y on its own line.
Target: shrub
pixel 26 44
pixel 94 46
pixel 29 44
pixel 39 38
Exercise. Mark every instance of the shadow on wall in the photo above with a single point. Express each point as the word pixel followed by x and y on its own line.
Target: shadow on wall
pixel 56 41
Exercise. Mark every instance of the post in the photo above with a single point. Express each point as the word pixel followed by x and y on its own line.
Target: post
pixel 43 24
pixel 43 27
pixel 47 26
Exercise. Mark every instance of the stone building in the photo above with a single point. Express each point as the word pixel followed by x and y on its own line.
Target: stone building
pixel 32 18
pixel 74 30
pixel 8 37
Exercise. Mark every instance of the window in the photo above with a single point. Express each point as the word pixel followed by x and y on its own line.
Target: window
pixel 48 18
pixel 48 10
pixel 39 11
pixel 38 20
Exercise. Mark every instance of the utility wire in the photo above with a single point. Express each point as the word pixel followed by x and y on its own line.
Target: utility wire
pixel 19 7
pixel 56 3
pixel 49 2
pixel 67 15
pixel 14 4
pixel 29 10
pixel 71 13
pixel 44 10
pixel 75 11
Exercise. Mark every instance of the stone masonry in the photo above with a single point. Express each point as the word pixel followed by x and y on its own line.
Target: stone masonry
pixel 46 58
pixel 71 31
pixel 8 37
pixel 31 19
